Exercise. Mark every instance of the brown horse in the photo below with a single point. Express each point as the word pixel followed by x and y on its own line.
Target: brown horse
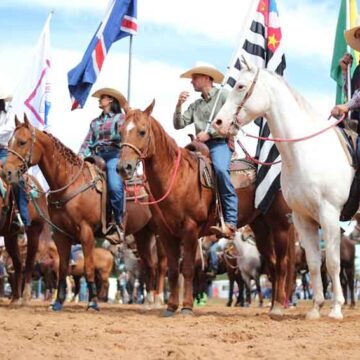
pixel 74 201
pixel 186 209
pixel 37 210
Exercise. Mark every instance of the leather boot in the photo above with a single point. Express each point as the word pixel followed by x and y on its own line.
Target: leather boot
pixel 227 232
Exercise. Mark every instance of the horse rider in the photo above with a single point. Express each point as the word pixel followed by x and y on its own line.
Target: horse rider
pixel 352 37
pixel 7 127
pixel 103 139
pixel 203 78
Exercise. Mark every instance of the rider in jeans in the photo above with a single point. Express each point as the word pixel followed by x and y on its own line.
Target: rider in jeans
pixel 103 139
pixel 6 129
pixel 221 150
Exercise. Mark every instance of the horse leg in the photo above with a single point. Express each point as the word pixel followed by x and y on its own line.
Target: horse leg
pixel 190 244
pixel 143 239
pixel 33 234
pixel 258 289
pixel 161 272
pixel 76 287
pixel 309 238
pixel 231 290
pixel 350 277
pixel 86 237
pixel 63 245
pixel 240 299
pixel 332 247
pixel 172 248
pixel 12 248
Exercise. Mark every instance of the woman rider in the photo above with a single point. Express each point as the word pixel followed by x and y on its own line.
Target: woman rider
pixel 103 139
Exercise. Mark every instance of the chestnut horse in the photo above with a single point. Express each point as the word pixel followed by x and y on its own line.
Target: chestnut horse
pixel 74 201
pixel 37 210
pixel 185 209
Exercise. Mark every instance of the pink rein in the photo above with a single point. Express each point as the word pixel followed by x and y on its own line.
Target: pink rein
pixel 281 140
pixel 171 184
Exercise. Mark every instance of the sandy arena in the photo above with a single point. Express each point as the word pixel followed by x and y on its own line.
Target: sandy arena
pixel 215 332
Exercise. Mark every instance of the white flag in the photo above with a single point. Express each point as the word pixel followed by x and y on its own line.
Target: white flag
pixel 32 95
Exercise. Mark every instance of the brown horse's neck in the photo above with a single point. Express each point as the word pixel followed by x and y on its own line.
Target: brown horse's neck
pixel 160 165
pixel 58 163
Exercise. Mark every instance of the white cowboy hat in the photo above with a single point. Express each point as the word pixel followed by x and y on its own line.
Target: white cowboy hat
pixel 205 69
pixel 354 42
pixel 111 92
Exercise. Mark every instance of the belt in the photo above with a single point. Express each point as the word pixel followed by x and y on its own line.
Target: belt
pixel 101 148
pixel 217 140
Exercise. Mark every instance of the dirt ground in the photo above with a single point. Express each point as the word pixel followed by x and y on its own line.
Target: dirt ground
pixel 215 332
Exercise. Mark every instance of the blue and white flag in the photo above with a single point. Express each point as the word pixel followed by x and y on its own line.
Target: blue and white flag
pixel 120 21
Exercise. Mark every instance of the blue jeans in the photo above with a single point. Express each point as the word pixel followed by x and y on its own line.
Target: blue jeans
pixel 213 256
pixel 115 184
pixel 75 251
pixel 20 194
pixel 221 158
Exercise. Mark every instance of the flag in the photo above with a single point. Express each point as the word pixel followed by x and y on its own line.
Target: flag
pixel 340 47
pixel 120 21
pixel 32 96
pixel 263 47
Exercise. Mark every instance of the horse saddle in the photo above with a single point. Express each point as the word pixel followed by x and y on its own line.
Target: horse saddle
pixel 348 140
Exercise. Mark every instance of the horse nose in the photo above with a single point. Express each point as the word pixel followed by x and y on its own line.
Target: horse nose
pixel 218 122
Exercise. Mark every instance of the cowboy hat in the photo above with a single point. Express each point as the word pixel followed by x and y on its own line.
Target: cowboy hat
pixel 4 95
pixel 205 69
pixel 353 42
pixel 113 93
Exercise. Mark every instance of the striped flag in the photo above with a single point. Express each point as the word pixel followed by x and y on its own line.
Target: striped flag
pixel 120 21
pixel 263 47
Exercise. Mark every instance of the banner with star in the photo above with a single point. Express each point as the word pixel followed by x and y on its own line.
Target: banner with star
pixel 263 47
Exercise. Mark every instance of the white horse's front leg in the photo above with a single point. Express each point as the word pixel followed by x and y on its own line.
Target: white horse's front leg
pixel 309 238
pixel 332 242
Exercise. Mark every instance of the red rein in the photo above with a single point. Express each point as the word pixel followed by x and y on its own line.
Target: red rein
pixel 171 184
pixel 281 140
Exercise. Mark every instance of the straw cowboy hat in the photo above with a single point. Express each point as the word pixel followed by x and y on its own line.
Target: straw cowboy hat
pixel 111 92
pixel 204 69
pixel 354 42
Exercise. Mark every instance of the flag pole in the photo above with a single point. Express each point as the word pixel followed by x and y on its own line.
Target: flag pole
pixel 348 50
pixel 241 38
pixel 129 70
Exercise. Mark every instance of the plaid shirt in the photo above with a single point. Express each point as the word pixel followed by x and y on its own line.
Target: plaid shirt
pixel 103 131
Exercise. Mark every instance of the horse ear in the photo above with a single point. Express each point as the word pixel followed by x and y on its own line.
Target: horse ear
pixel 150 108
pixel 246 63
pixel 17 121
pixel 27 122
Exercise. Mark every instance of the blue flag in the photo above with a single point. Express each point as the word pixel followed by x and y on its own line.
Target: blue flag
pixel 120 21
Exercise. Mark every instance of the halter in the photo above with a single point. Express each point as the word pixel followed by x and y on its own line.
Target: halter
pixel 28 158
pixel 246 97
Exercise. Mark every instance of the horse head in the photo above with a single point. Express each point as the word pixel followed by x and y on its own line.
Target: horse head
pixel 136 140
pixel 248 100
pixel 24 151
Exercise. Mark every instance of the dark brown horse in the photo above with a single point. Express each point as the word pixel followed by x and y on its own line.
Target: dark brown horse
pixel 186 210
pixel 74 200
pixel 37 209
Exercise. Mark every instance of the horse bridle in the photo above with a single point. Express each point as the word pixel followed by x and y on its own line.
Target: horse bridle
pixel 235 123
pixel 27 159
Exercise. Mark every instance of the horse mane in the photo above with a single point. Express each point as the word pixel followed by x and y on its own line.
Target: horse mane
pixel 300 99
pixel 66 152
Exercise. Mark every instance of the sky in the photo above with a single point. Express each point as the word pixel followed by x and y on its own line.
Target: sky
pixel 172 36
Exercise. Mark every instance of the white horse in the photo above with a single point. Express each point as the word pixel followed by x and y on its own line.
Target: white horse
pixel 316 175
pixel 249 261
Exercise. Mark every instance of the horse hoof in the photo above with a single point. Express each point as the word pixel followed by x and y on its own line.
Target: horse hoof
pixel 313 314
pixel 92 305
pixel 187 312
pixel 336 313
pixel 168 313
pixel 276 313
pixel 15 303
pixel 56 306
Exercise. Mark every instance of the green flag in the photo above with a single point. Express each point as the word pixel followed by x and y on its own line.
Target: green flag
pixel 340 48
